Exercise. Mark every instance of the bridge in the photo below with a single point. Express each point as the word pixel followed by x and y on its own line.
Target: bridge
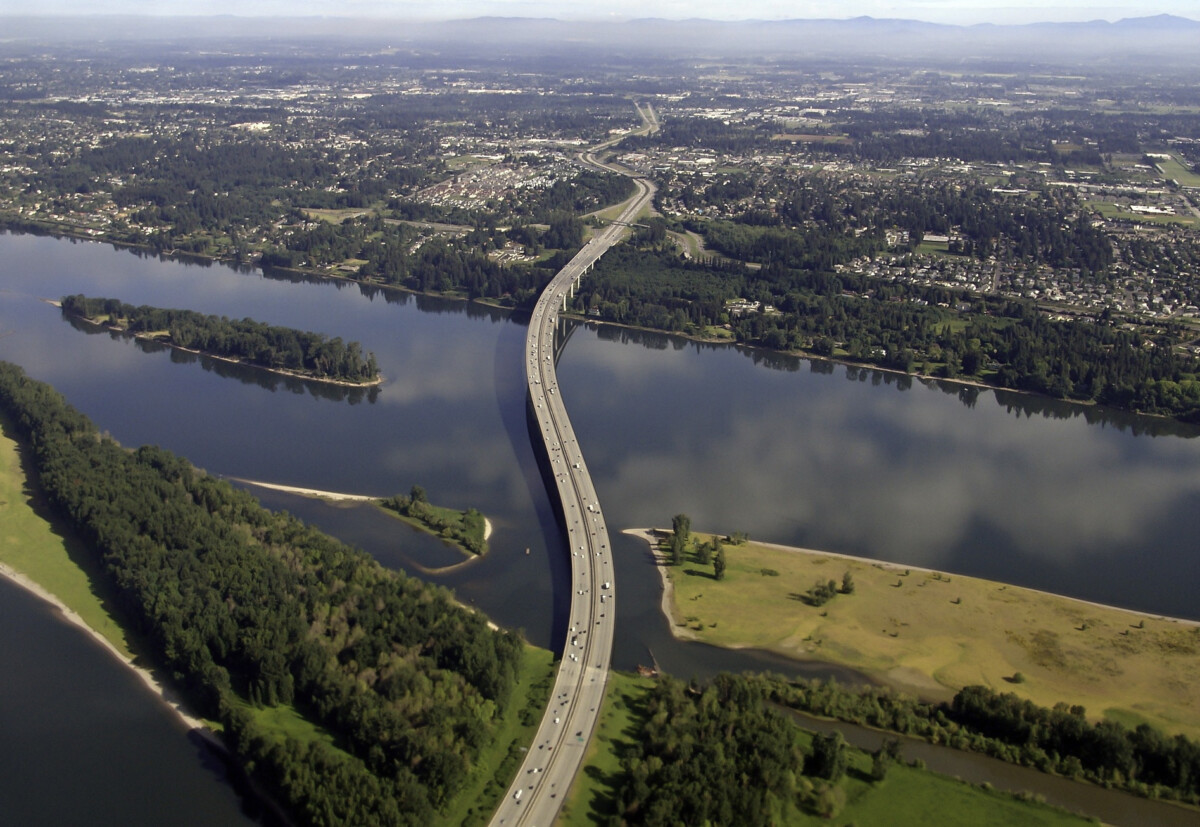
pixel 558 749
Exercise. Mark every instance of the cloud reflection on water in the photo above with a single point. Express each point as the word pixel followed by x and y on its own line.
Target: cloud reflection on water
pixel 845 466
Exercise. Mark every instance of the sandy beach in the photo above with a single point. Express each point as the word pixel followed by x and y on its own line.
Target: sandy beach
pixel 308 492
pixel 168 696
pixel 668 594
pixel 336 496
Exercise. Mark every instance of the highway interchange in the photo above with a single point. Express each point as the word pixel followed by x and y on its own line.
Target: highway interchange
pixel 557 752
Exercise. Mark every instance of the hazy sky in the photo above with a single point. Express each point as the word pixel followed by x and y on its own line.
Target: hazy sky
pixel 939 11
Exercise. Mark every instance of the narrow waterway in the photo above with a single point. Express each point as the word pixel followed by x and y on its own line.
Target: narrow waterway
pixel 1110 806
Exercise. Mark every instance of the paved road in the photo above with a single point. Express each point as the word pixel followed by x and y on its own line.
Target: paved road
pixel 557 751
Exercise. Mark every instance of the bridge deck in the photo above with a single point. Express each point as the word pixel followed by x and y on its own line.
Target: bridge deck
pixel 556 755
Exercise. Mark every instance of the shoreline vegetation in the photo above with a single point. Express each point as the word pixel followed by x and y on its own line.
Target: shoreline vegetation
pixel 285 689
pixel 452 295
pixel 310 357
pixel 17 567
pixel 467 530
pixel 928 633
pixel 1164 419
pixel 36 558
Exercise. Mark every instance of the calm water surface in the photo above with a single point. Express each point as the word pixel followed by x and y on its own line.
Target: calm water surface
pixel 1032 492
pixel 85 742
pixel 1020 489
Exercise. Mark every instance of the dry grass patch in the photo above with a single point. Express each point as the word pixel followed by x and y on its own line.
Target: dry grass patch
pixel 933 633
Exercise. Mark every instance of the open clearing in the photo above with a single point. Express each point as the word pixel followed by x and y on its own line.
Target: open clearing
pixel 1176 170
pixel 931 633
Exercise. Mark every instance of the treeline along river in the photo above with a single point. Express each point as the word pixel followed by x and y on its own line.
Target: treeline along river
pixel 1068 499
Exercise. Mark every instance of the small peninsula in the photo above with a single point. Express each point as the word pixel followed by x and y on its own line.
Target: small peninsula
pixel 930 632
pixel 283 350
pixel 469 530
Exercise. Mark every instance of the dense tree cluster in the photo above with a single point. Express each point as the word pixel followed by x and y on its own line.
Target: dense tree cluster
pixel 1061 740
pixel 586 191
pixel 719 755
pixel 242 606
pixel 808 251
pixel 466 528
pixel 1104 749
pixel 819 220
pixel 1043 227
pixel 256 343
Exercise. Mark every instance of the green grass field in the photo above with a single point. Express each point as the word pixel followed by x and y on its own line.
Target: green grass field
pixel 285 721
pixel 336 216
pixel 934 633
pixel 1112 211
pixel 31 543
pixel 591 798
pixel 810 138
pixel 908 796
pixel 1176 169
pixel 462 162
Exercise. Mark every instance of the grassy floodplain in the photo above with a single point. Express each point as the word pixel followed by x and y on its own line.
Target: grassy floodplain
pixel 908 796
pixel 1113 211
pixel 30 545
pixel 931 633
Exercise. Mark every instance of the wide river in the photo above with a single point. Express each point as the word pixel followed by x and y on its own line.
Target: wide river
pixel 1097 505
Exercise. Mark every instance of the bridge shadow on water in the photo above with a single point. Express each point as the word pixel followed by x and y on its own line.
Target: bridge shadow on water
pixel 527 443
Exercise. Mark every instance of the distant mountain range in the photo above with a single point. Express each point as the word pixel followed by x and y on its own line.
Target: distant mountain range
pixel 1162 37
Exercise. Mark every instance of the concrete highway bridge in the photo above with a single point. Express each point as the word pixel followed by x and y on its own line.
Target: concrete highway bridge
pixel 556 754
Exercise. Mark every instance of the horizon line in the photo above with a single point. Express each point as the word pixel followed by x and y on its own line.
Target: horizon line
pixel 467 18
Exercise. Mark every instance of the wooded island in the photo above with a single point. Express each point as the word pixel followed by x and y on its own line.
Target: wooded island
pixel 246 341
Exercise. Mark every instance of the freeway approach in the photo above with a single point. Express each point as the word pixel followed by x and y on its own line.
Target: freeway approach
pixel 558 749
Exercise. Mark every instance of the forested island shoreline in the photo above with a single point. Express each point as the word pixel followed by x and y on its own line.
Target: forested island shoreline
pixel 511 305
pixel 468 530
pixel 287 687
pixel 280 350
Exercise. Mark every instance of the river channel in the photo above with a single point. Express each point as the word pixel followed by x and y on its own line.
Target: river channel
pixel 1069 499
